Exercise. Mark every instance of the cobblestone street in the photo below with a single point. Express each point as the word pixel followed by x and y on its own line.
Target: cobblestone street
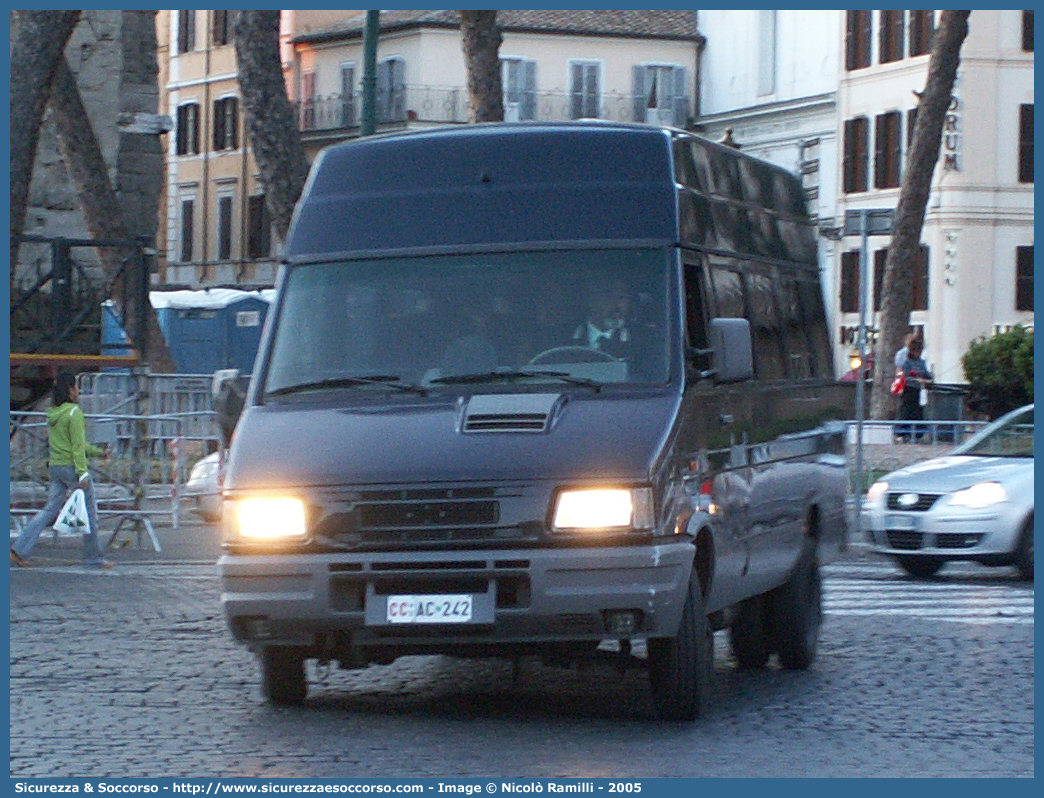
pixel 132 673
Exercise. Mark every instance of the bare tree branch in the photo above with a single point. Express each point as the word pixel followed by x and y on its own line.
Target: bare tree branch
pixel 481 38
pixel 897 289
pixel 270 119
pixel 101 208
pixel 37 45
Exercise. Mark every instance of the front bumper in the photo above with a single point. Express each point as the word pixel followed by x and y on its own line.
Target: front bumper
pixel 946 531
pixel 337 601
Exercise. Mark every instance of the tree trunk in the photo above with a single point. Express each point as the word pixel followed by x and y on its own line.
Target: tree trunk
pixel 481 39
pixel 897 290
pixel 270 119
pixel 101 209
pixel 37 45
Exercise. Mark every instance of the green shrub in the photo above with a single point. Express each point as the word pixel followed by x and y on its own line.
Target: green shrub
pixel 999 371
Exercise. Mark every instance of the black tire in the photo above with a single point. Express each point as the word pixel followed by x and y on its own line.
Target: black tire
pixel 920 567
pixel 680 666
pixel 283 675
pixel 795 612
pixel 749 635
pixel 1024 551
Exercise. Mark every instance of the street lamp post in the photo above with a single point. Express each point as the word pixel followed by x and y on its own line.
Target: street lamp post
pixel 864 223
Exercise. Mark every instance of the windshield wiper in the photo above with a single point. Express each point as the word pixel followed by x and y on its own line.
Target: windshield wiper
pixel 497 376
pixel 384 380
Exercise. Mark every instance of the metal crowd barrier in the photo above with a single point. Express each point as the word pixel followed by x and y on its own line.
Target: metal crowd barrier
pixel 142 477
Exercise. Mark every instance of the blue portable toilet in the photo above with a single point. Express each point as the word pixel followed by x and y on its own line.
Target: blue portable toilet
pixel 212 329
pixel 114 340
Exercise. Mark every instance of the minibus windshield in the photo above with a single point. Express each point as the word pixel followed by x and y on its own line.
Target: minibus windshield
pixel 583 317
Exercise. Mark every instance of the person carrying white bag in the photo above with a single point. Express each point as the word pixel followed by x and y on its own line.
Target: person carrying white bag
pixel 67 472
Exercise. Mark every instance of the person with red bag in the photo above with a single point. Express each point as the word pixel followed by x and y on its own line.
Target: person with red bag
pixel 67 471
pixel 912 377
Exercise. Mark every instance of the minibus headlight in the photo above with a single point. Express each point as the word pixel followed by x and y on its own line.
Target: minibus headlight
pixel 270 518
pixel 604 508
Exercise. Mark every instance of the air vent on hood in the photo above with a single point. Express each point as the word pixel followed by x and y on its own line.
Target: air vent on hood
pixel 528 412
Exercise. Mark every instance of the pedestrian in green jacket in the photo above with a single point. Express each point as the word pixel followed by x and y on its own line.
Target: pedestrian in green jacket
pixel 67 471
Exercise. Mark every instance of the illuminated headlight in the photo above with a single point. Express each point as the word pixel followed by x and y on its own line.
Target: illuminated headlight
pixel 615 508
pixel 876 492
pixel 270 517
pixel 978 496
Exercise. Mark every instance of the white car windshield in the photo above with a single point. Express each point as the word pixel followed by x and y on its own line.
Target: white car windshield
pixel 586 317
pixel 1011 436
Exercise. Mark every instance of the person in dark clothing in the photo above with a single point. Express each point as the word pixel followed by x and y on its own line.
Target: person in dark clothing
pixel 915 372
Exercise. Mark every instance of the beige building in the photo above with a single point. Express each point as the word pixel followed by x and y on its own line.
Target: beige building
pixel 556 65
pixel 214 229
pixel 976 274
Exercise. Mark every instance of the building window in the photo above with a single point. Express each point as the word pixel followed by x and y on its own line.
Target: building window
pixel 1026 143
pixel 348 95
pixel 222 32
pixel 857 40
pixel 308 101
pixel 518 78
pixel 921 30
pixel 1024 278
pixel 259 228
pixel 766 52
pixel 187 221
pixel 888 149
pixel 849 282
pixel 856 155
pixel 659 95
pixel 224 228
pixel 891 36
pixel 1027 31
pixel 186 31
pixel 226 124
pixel 920 279
pixel 187 137
pixel 391 90
pixel 880 256
pixel 585 90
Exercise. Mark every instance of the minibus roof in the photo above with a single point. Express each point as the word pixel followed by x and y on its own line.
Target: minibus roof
pixel 492 184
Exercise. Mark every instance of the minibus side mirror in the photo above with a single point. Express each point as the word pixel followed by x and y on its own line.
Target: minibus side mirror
pixel 731 359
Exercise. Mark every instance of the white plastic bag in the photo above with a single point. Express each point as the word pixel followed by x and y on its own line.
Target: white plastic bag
pixel 73 519
pixel 922 397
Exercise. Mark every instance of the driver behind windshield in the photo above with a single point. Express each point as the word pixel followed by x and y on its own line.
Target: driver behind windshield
pixel 607 327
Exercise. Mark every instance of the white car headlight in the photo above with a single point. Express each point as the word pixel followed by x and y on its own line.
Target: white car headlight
pixel 876 492
pixel 604 508
pixel 981 495
pixel 270 517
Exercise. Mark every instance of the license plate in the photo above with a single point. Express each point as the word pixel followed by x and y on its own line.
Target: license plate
pixel 429 609
pixel 904 522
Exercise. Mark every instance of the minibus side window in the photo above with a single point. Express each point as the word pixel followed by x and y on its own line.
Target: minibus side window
pixel 728 293
pixel 811 298
pixel 695 318
pixel 764 326
pixel 795 333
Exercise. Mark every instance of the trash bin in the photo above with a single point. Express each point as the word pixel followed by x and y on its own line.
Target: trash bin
pixel 945 403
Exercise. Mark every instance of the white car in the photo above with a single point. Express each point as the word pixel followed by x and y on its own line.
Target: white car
pixel 204 486
pixel 974 504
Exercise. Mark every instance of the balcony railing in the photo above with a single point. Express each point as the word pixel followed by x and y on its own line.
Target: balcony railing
pixel 439 105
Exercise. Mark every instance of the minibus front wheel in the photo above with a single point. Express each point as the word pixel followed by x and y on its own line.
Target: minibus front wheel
pixel 680 667
pixel 283 675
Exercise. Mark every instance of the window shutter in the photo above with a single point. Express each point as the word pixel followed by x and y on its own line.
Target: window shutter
pixel 881 151
pixel 576 109
pixel 528 110
pixel 219 125
pixel 233 121
pixel 179 136
pixel 399 88
pixel 638 81
pixel 194 113
pixel 681 102
pixel 347 96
